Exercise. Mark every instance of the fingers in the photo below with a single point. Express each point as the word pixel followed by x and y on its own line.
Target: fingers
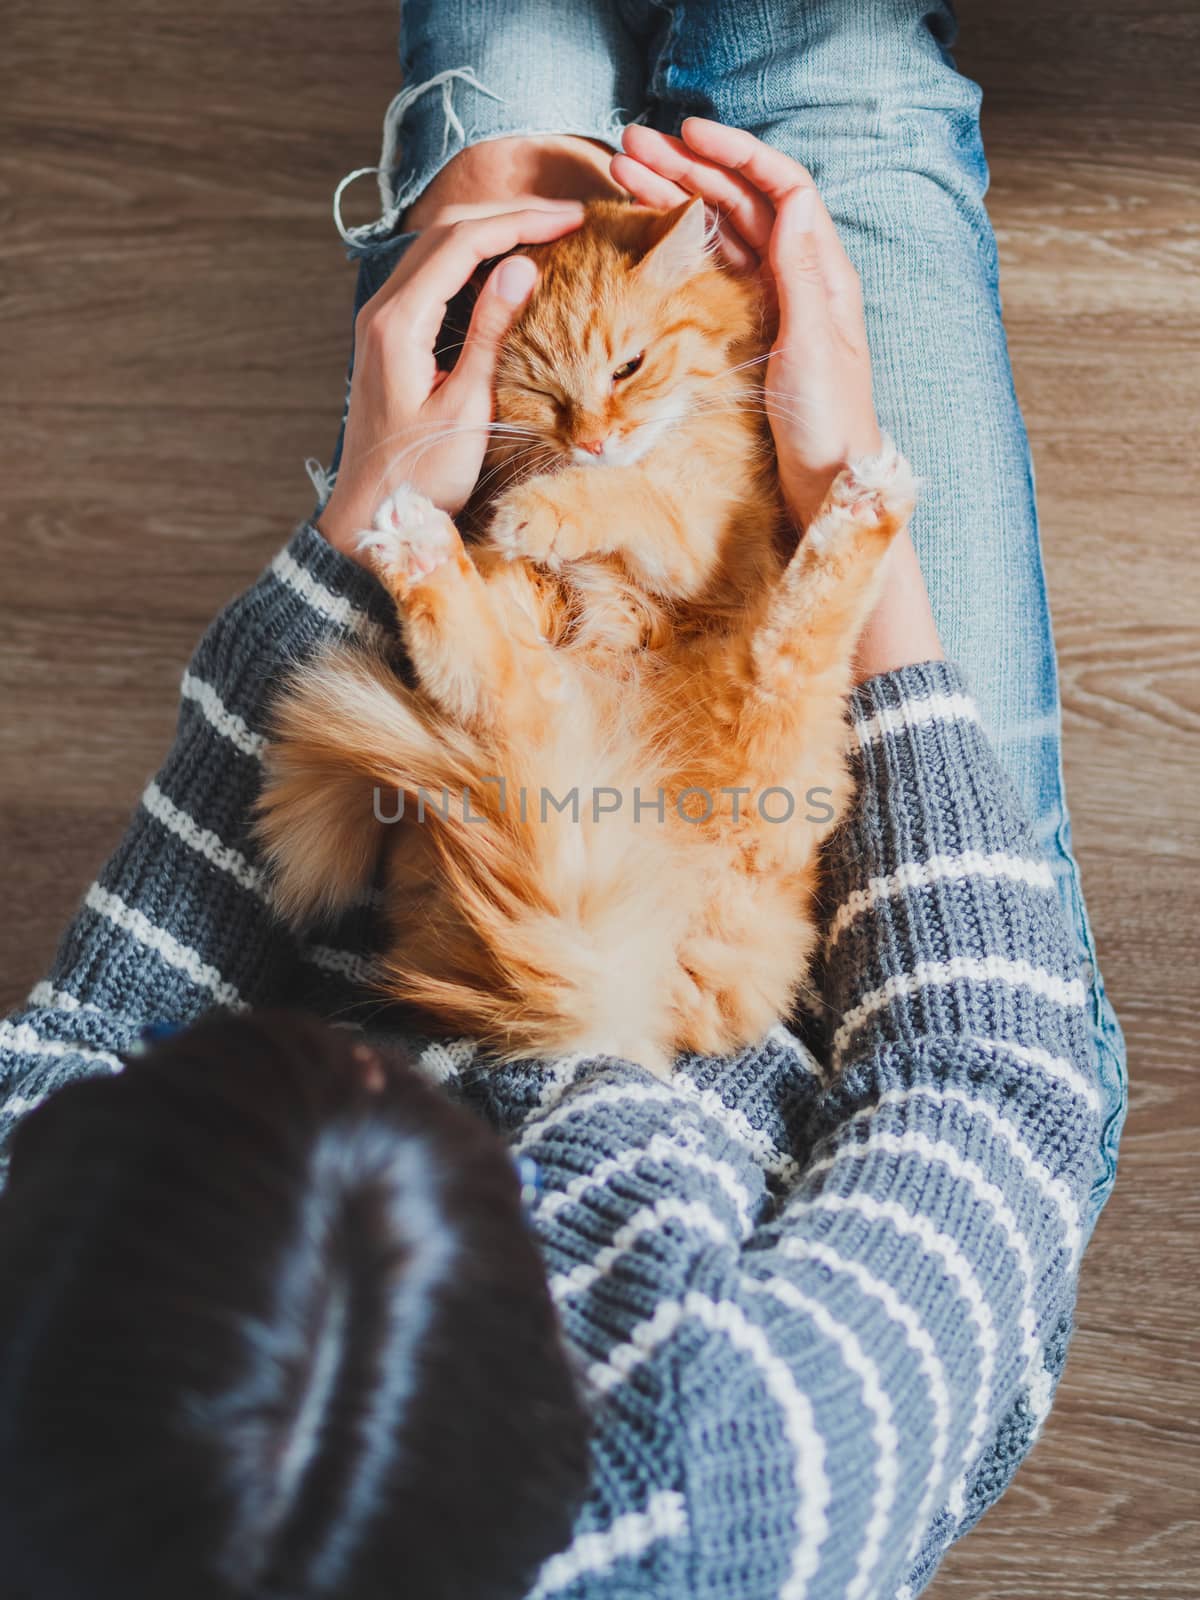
pixel 737 200
pixel 794 256
pixel 507 289
pixel 443 258
pixel 650 189
pixel 775 176
pixel 646 186
pixel 743 179
pixel 770 171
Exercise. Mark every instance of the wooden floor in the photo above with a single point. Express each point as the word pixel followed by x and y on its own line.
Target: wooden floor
pixel 174 312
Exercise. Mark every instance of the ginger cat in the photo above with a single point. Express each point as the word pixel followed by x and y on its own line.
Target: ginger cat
pixel 636 624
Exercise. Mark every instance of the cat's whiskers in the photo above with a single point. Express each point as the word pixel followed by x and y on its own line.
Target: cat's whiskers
pixel 550 458
pixel 545 455
pixel 703 405
pixel 768 405
pixel 739 366
pixel 447 428
pixel 439 433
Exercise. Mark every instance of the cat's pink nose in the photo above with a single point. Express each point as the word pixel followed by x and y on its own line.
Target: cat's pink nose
pixel 594 447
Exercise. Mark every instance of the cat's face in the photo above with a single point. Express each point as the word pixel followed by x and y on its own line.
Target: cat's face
pixel 628 327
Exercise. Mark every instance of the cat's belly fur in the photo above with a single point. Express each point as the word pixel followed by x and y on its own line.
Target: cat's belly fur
pixel 631 917
pixel 578 897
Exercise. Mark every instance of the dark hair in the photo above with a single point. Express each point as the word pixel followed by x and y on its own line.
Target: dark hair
pixel 272 1324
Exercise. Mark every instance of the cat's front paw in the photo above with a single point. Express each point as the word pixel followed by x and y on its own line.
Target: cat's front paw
pixel 876 491
pixel 410 539
pixel 530 523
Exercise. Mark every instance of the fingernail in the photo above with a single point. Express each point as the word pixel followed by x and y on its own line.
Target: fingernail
pixel 515 279
pixel 800 210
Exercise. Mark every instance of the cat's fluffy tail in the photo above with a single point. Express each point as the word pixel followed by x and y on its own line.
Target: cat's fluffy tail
pixel 550 932
pixel 344 722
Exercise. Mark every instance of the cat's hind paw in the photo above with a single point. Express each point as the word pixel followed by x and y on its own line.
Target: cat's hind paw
pixel 410 539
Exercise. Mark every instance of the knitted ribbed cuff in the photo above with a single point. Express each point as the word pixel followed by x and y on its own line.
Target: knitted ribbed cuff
pixel 929 782
pixel 308 594
pixel 336 574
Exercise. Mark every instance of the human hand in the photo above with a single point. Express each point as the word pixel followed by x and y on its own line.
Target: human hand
pixel 409 421
pixel 817 388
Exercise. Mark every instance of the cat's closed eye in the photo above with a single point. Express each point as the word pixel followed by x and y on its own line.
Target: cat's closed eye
pixel 628 368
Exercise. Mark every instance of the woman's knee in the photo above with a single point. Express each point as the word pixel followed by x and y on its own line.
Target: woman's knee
pixel 514 170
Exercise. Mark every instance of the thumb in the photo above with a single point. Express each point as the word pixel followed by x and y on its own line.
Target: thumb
pixel 794 257
pixel 507 289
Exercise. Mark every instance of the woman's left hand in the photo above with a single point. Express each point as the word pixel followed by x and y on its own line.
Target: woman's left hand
pixel 818 380
pixel 409 421
pixel 770 218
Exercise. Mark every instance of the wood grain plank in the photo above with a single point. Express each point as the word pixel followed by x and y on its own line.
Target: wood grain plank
pixel 1094 147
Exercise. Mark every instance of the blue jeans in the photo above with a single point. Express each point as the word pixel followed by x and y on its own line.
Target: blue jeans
pixel 866 95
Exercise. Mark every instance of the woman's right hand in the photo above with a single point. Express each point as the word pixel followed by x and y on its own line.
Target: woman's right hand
pixel 818 380
pixel 409 421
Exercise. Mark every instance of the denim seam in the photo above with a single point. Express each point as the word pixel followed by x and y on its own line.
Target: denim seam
pixel 1104 1025
pixel 657 87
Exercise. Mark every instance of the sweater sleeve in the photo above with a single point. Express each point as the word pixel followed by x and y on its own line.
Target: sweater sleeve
pixel 911 1294
pixel 177 921
pixel 824 1378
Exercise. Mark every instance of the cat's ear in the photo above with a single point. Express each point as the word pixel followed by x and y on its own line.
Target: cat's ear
pixel 678 245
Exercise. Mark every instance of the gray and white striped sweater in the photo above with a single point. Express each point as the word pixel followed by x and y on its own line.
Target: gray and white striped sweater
pixel 821 1293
